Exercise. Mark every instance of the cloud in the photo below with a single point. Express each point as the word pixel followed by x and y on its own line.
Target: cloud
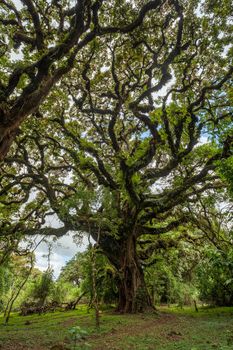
pixel 62 250
pixel 18 4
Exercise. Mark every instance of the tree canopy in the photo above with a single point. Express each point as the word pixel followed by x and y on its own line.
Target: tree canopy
pixel 40 42
pixel 129 139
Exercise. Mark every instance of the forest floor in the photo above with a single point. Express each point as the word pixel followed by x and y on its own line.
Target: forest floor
pixel 172 329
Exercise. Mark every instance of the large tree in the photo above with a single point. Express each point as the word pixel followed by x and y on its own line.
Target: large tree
pixel 121 154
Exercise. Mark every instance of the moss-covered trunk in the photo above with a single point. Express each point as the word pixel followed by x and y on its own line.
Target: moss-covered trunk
pixel 133 293
pixel 122 253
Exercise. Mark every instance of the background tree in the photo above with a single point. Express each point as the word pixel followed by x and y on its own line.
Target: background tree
pixel 215 278
pixel 172 279
pixel 17 283
pixel 214 273
pixel 42 287
pixel 106 276
pixel 115 155
pixel 72 271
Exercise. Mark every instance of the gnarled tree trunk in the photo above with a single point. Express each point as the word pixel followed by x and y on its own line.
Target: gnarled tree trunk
pixel 133 293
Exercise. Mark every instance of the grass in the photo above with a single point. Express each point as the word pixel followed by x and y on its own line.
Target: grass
pixel 172 329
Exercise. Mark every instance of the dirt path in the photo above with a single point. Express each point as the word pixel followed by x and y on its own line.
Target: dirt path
pixel 145 326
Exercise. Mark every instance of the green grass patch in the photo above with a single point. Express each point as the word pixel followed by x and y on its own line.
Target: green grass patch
pixel 173 328
pixel 202 311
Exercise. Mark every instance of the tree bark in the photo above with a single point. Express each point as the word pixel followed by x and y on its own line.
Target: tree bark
pixel 133 294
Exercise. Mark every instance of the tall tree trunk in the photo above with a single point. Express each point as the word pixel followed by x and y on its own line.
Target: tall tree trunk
pixel 133 293
pixel 122 253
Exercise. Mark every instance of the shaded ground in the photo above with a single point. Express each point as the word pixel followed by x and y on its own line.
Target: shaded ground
pixel 173 329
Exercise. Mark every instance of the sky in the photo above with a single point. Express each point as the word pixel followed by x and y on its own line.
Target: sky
pixel 60 250
pixel 17 3
pixel 63 249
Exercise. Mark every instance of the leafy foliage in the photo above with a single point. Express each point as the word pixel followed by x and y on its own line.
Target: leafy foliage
pixel 215 277
pixel 42 287
pixel 81 266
